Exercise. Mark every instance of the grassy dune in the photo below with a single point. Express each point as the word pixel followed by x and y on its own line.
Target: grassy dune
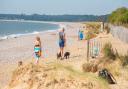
pixel 54 76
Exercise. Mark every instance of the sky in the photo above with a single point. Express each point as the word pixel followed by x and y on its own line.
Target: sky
pixel 60 7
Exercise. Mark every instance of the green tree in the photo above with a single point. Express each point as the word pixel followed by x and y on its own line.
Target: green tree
pixel 119 16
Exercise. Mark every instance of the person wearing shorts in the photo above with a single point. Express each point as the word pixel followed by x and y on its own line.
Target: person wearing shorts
pixel 62 42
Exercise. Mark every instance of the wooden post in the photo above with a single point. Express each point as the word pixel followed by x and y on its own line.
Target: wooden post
pixel 103 26
pixel 88 41
pixel 90 48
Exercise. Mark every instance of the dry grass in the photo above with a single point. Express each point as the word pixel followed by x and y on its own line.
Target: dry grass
pixel 94 26
pixel 124 60
pixel 110 61
pixel 55 75
pixel 90 67
pixel 114 68
pixel 107 28
pixel 108 51
pixel 92 29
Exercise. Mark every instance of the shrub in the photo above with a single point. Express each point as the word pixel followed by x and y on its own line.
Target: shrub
pixel 90 35
pixel 86 67
pixel 107 28
pixel 93 27
pixel 108 51
pixel 124 60
pixel 90 67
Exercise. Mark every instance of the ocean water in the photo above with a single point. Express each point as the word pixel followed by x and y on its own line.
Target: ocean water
pixel 10 29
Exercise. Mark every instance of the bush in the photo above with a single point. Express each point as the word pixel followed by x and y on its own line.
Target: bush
pixel 86 67
pixel 90 67
pixel 119 16
pixel 124 60
pixel 94 27
pixel 107 28
pixel 90 35
pixel 108 51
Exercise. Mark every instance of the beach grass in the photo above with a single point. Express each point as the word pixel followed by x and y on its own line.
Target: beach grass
pixel 55 73
pixel 84 75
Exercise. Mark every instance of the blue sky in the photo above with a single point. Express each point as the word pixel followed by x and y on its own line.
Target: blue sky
pixel 94 7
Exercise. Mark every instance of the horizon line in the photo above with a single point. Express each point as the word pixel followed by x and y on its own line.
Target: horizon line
pixel 51 14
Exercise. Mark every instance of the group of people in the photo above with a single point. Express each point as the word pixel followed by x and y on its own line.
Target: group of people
pixel 62 43
pixel 38 48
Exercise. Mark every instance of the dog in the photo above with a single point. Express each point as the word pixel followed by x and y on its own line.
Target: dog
pixel 58 55
pixel 66 55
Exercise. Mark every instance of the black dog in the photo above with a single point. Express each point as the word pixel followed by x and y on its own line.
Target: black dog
pixel 58 55
pixel 66 55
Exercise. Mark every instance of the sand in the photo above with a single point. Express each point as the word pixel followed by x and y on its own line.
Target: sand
pixel 21 48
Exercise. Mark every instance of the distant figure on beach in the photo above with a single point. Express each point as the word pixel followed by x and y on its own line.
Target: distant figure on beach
pixel 62 42
pixel 80 35
pixel 37 49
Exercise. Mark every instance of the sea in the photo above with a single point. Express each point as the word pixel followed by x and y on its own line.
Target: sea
pixel 13 29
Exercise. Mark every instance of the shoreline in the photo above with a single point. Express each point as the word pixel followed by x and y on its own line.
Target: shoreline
pixel 31 21
pixel 30 33
pixel 26 34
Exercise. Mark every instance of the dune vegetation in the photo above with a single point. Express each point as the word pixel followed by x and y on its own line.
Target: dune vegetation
pixel 54 76
pixel 119 17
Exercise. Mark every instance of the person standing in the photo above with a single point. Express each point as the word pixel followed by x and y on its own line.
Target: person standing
pixel 62 42
pixel 37 49
pixel 81 35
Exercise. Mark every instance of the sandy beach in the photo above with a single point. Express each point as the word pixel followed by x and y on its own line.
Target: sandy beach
pixel 55 44
pixel 21 49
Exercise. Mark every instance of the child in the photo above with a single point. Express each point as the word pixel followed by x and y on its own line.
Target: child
pixel 37 49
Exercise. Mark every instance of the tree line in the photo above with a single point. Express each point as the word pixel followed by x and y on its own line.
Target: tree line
pixel 59 18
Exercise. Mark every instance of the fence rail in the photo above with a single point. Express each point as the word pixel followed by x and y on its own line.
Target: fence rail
pixel 119 32
pixel 95 47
